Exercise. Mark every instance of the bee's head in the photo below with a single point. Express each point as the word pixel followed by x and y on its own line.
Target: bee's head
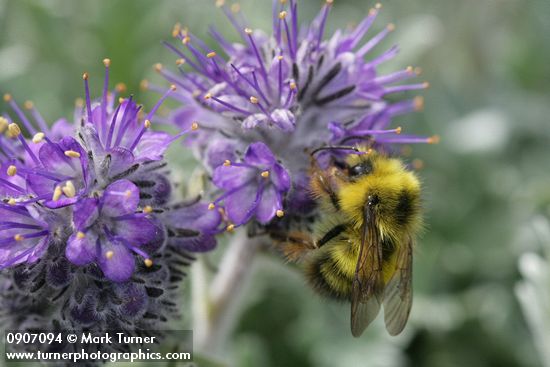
pixel 386 186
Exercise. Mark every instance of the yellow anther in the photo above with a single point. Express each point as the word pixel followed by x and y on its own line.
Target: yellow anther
pixel 128 193
pixel 330 2
pixel 280 58
pixel 283 1
pixel 18 237
pixel 426 84
pixel 282 15
pixel 3 124
pixel 280 213
pixel 418 103
pixel 220 3
pixel 157 67
pixel 230 228
pixel 235 8
pixel 12 170
pixel 148 262
pixel 57 192
pixel 292 85
pixel 378 6
pixel 121 100
pixel 12 201
pixel 85 76
pixel 14 130
pixel 144 85
pixel 72 154
pixel 107 62
pixel 69 190
pixel 176 30
pixel 265 174
pixel 186 40
pixel 173 87
pixel 211 206
pixel 390 27
pixel 28 105
pixel 38 137
pixel 195 126
pixel 147 124
pixel 148 209
pixel 208 96
pixel 248 31
pixel 79 102
pixel 80 235
pixel 227 163
pixel 254 100
pixel 211 54
pixel 120 87
pixel 398 130
pixel 409 69
pixel 180 62
pixel 109 255
pixel 433 139
pixel 7 97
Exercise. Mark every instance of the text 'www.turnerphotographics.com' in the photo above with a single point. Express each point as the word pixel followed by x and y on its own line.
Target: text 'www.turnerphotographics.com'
pixel 113 346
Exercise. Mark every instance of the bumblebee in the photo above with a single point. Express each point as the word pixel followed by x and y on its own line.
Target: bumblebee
pixel 361 246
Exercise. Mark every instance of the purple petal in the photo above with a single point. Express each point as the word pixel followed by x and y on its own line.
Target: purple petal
pixel 240 205
pixel 53 157
pixel 152 145
pixel 120 266
pixel 81 251
pixel 280 178
pixel 268 206
pixel 120 198
pixel 220 150
pixel 138 230
pixel 85 213
pixel 259 155
pixel 121 160
pixel 232 177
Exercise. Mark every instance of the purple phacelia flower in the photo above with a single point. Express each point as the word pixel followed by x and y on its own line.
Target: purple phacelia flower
pixel 254 187
pixel 293 91
pixel 110 230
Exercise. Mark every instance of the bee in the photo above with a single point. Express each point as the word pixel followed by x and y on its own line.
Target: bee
pixel 361 246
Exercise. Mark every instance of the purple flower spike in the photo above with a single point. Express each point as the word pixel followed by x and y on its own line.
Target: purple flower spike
pixel 253 187
pixel 294 91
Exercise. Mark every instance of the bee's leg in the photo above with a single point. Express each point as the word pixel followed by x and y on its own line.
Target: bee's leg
pixel 294 245
pixel 325 185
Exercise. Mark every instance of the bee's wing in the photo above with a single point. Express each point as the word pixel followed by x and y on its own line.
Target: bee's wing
pixel 367 286
pixel 398 291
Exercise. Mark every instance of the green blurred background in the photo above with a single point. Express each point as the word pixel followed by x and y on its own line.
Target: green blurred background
pixel 482 281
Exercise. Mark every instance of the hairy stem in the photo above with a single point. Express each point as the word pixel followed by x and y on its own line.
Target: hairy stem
pixel 215 305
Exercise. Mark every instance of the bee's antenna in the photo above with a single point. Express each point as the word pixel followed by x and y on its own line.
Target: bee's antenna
pixel 337 147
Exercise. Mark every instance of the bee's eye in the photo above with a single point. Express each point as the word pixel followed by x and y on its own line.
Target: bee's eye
pixel 363 168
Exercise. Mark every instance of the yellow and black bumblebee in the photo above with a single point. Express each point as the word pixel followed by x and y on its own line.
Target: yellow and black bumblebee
pixel 361 246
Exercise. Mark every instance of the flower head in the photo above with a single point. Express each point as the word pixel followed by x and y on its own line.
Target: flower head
pixel 102 194
pixel 293 91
